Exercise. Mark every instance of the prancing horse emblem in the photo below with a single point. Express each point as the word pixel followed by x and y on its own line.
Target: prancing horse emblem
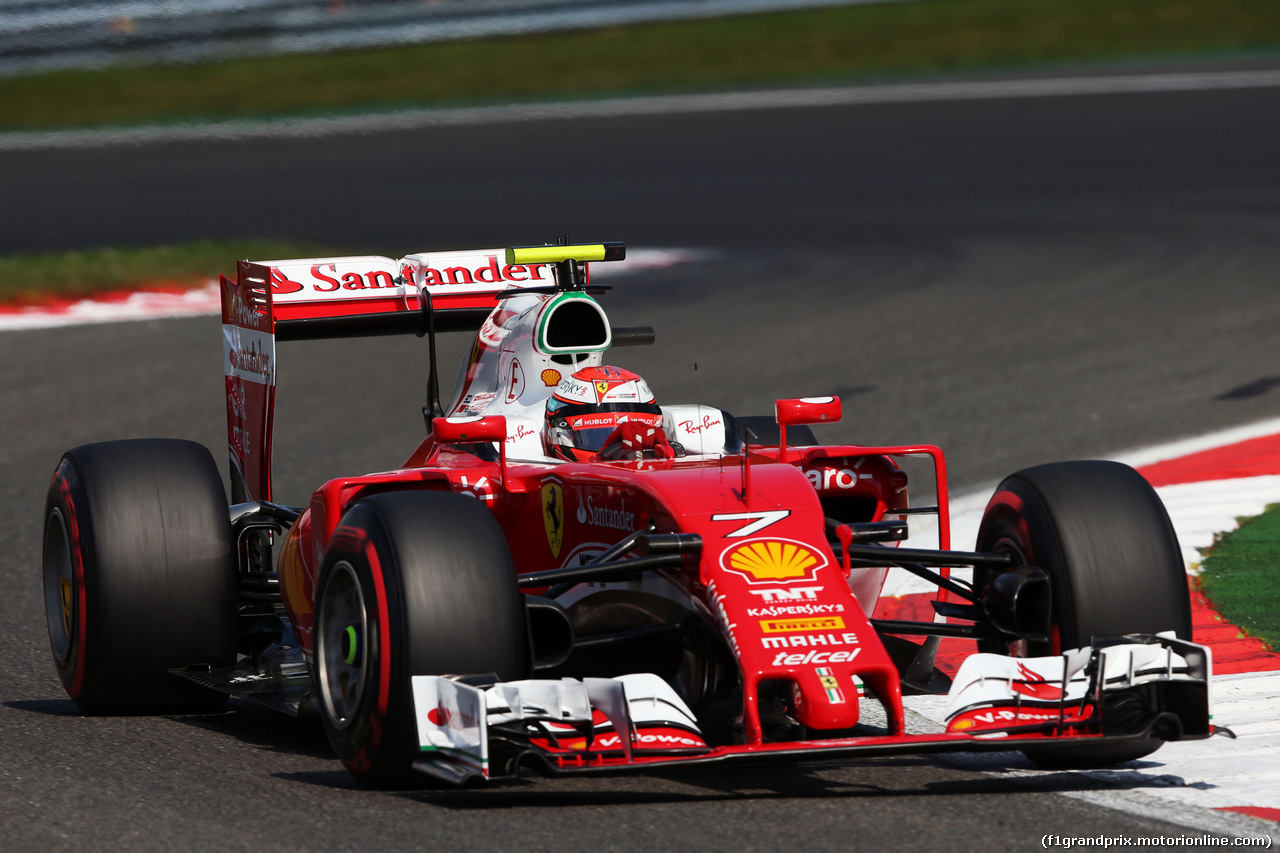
pixel 553 514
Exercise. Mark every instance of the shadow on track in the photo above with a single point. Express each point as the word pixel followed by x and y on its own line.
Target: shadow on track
pixel 1256 388
pixel 47 707
pixel 270 731
pixel 762 783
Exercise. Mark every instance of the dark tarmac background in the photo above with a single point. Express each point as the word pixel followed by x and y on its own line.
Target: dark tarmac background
pixel 1016 280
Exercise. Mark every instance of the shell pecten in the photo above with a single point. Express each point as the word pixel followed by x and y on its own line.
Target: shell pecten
pixel 772 559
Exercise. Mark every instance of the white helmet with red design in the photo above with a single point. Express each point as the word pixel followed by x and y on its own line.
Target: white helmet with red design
pixel 587 407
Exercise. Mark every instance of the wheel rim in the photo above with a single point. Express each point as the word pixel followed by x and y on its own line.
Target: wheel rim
pixel 59 585
pixel 342 649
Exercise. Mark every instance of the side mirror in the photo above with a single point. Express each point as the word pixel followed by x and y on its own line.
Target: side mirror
pixel 468 430
pixel 805 410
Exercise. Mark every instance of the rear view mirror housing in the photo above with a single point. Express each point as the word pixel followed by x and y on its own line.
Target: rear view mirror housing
pixel 804 411
pixel 470 430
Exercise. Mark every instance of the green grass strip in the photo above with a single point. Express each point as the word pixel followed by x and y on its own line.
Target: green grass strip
pixel 35 278
pixel 820 45
pixel 1241 576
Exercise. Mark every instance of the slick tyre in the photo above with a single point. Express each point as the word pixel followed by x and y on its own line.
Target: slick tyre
pixel 412 583
pixel 1115 567
pixel 139 575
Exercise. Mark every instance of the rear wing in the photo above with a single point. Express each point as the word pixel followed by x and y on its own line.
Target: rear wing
pixel 313 298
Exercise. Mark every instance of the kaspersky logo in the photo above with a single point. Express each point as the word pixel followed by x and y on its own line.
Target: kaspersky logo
pixel 772 560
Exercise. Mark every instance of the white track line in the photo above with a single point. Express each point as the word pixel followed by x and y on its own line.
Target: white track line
pixel 417 119
pixel 1185 447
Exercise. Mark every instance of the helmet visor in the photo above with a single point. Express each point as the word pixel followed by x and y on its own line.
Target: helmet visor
pixel 586 426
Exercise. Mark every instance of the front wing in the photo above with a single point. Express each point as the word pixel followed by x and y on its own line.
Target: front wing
pixel 470 733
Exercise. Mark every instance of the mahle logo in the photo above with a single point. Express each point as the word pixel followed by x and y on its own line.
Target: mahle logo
pixel 772 560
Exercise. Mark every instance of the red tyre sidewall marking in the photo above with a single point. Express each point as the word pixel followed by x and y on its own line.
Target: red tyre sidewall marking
pixel 1015 503
pixel 384 646
pixel 77 560
pixel 1006 497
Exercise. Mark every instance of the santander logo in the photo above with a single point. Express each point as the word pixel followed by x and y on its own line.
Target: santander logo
pixel 485 273
pixel 252 360
pixel 374 276
pixel 282 284
pixel 1034 686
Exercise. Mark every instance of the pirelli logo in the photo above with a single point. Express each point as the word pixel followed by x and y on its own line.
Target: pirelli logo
pixel 782 626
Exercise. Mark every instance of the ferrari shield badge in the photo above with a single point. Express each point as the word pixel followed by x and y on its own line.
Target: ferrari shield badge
pixel 553 514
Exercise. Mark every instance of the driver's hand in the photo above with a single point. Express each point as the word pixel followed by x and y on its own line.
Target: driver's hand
pixel 636 441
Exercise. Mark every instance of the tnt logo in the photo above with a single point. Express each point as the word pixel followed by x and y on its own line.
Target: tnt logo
pixel 795 593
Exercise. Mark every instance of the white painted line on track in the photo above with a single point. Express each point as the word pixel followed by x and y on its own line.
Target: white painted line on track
pixel 1201 511
pixel 1142 797
pixel 1139 803
pixel 1185 447
pixel 418 119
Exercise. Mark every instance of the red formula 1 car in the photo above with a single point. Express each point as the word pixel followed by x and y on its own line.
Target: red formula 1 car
pixel 565 577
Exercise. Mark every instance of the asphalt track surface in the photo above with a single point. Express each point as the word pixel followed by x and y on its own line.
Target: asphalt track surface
pixel 1016 280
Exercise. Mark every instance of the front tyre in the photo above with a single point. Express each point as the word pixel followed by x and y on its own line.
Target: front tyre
pixel 138 575
pixel 1103 536
pixel 413 583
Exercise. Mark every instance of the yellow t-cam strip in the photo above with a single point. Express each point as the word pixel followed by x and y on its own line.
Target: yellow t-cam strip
pixel 556 254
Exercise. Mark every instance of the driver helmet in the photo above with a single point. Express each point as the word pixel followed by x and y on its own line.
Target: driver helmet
pixel 588 406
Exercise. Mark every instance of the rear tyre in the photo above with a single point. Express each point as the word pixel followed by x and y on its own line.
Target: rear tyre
pixel 1102 534
pixel 138 575
pixel 413 583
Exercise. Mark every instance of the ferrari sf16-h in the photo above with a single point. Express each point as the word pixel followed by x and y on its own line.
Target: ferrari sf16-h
pixel 568 575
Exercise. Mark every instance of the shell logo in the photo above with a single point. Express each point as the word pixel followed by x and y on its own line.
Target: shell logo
pixel 773 560
pixel 550 377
